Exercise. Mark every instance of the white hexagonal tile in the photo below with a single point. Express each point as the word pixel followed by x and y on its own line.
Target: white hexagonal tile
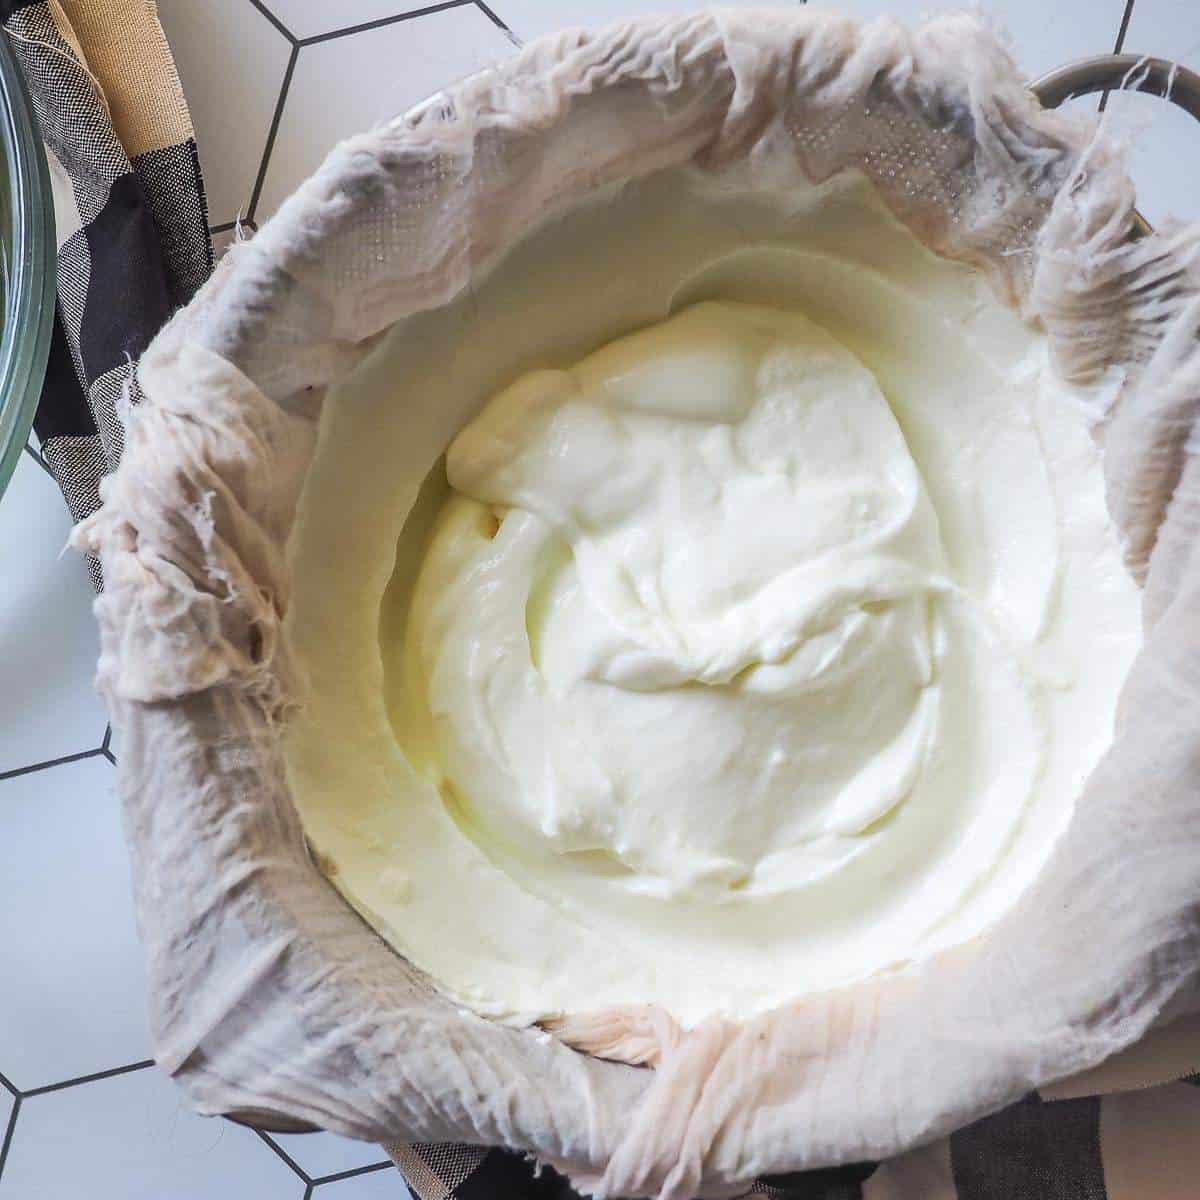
pixel 1044 35
pixel 376 1185
pixel 531 18
pixel 348 84
pixel 1164 141
pixel 320 1154
pixel 48 638
pixel 73 996
pixel 312 18
pixel 132 1138
pixel 231 61
pixel 1165 28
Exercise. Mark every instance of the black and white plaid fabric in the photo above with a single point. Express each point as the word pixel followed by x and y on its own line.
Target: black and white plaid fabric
pixel 133 243
pixel 1137 1145
pixel 450 1172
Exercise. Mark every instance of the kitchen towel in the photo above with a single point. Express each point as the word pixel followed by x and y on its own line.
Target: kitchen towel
pixel 130 215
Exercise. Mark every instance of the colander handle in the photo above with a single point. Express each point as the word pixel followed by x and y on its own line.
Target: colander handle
pixel 1121 72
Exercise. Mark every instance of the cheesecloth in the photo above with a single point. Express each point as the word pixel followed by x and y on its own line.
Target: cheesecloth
pixel 269 996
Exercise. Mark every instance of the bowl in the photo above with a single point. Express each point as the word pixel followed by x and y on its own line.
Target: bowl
pixel 27 261
pixel 387 223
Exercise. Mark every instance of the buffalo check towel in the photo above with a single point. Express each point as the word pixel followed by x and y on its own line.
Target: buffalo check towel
pixel 133 245
pixel 130 216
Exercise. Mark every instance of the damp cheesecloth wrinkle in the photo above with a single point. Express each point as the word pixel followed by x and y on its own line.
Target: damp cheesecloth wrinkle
pixel 593 187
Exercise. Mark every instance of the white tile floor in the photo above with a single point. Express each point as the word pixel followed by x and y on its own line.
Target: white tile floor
pixel 435 49
pixel 272 84
pixel 320 1155
pixel 232 62
pixel 43 590
pixel 53 1029
pixel 131 1137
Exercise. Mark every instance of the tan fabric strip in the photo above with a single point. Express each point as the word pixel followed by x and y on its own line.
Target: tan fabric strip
pixel 416 1171
pixel 124 45
pixel 1149 1145
pixel 72 54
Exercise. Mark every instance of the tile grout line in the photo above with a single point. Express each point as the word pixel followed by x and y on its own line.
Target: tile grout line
pixel 229 226
pixel 1118 45
pixel 276 117
pixel 93 1078
pixel 274 20
pixel 499 23
pixel 37 458
pixel 381 22
pixel 353 1174
pixel 8 1133
pixel 283 1154
pixel 53 762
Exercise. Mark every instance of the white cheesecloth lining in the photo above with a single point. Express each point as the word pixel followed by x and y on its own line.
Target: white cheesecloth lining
pixel 268 995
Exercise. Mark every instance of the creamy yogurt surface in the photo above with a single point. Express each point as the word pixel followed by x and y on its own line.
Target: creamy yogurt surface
pixel 756 632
